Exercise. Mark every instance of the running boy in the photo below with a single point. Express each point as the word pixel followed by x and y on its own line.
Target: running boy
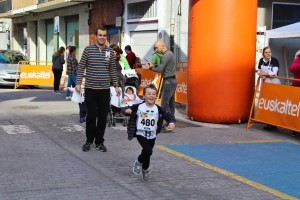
pixel 145 123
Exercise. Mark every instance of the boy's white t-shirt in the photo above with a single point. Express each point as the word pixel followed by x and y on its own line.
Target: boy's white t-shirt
pixel 147 118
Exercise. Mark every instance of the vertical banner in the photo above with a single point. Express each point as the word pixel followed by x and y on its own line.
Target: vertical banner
pixel 56 24
pixel 279 105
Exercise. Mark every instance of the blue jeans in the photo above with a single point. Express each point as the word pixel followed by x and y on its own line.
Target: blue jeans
pixel 168 94
pixel 71 81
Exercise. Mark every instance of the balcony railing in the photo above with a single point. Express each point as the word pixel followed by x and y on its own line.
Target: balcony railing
pixel 5 6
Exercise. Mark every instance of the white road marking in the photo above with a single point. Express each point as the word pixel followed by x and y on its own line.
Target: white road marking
pixel 16 129
pixel 70 127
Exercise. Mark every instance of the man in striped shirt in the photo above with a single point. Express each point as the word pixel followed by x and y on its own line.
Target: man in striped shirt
pixel 99 63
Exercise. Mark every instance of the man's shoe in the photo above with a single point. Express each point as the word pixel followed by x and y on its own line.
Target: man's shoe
pixel 86 147
pixel 68 98
pixel 270 128
pixel 137 167
pixel 295 134
pixel 145 175
pixel 101 147
pixel 82 120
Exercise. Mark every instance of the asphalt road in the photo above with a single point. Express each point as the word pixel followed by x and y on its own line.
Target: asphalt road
pixel 41 156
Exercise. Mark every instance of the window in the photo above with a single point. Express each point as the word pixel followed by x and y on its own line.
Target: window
pixel 285 14
pixel 144 9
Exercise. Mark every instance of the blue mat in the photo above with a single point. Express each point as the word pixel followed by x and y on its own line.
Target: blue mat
pixel 273 164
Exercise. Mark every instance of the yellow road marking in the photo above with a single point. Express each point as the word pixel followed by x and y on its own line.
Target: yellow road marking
pixel 229 174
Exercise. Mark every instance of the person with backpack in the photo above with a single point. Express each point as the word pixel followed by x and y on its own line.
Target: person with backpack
pixel 131 58
pixel 58 60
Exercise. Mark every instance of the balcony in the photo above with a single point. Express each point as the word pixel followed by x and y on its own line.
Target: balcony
pixel 22 4
pixel 24 7
pixel 5 6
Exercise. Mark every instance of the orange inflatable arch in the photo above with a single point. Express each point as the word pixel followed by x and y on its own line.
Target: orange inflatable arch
pixel 221 69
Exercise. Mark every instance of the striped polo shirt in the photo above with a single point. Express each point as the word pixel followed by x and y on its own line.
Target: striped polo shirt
pixel 100 67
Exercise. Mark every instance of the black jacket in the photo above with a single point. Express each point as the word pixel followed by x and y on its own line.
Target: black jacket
pixel 57 62
pixel 163 115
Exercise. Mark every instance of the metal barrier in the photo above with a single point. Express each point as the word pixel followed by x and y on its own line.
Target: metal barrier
pixel 34 73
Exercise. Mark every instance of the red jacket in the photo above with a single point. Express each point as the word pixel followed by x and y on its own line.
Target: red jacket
pixel 295 69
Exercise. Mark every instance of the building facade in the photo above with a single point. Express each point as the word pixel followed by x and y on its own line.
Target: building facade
pixel 40 27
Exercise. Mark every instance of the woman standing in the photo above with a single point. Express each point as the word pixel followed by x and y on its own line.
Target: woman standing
pixel 58 60
pixel 71 70
pixel 268 67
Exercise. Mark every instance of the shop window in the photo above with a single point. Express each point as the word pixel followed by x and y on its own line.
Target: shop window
pixel 144 9
pixel 285 14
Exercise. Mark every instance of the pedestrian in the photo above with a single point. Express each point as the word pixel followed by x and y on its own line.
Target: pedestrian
pixel 268 67
pixel 168 69
pixel 99 63
pixel 72 66
pixel 58 60
pixel 131 57
pixel 82 105
pixel 145 123
pixel 295 69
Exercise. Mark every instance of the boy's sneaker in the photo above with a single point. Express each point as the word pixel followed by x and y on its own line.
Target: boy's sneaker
pixel 86 147
pixel 137 167
pixel 68 98
pixel 82 120
pixel 145 175
pixel 101 147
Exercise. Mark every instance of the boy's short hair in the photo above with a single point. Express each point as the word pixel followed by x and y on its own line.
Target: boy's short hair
pixel 151 86
pixel 128 47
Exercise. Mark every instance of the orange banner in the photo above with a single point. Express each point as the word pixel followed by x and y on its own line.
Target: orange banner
pixel 181 90
pixel 279 105
pixel 36 75
pixel 149 76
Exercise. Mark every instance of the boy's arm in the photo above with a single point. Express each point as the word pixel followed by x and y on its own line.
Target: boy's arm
pixel 131 127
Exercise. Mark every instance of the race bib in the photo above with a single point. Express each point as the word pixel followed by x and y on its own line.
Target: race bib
pixel 146 121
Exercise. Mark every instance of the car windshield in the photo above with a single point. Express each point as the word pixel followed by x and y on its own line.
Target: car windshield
pixel 11 57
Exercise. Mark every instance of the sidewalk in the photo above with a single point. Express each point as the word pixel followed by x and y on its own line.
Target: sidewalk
pixel 41 156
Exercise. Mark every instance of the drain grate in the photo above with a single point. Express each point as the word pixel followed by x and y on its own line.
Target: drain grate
pixel 26 107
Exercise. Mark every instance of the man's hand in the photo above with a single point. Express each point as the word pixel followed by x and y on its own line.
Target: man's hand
pixel 128 111
pixel 147 65
pixel 78 88
pixel 118 91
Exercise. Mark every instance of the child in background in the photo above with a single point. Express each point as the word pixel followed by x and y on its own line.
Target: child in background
pixel 129 95
pixel 156 58
pixel 145 123
pixel 82 106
